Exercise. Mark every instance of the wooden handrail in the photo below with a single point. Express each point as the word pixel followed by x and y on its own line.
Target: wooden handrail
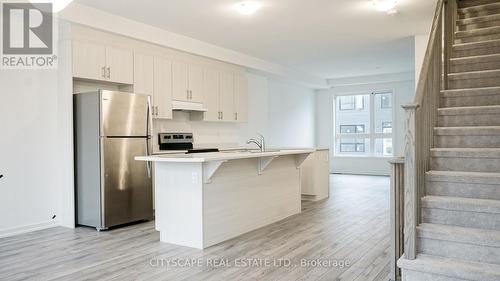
pixel 421 118
pixel 420 91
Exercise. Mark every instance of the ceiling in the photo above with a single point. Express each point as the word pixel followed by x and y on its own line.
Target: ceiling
pixel 326 38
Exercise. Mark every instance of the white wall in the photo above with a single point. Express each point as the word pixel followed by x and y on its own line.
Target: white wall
pixel 403 91
pixel 291 121
pixel 420 49
pixel 28 150
pixel 36 147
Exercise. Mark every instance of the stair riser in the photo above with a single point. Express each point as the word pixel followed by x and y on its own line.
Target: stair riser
pixel 466 190
pixel 469 141
pixel 471 3
pixel 465 83
pixel 409 275
pixel 478 38
pixel 485 24
pixel 480 13
pixel 461 218
pixel 476 52
pixel 470 101
pixel 469 120
pixel 449 249
pixel 474 66
pixel 486 165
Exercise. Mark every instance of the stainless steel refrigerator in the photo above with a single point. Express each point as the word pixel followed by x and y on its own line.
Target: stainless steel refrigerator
pixel 110 129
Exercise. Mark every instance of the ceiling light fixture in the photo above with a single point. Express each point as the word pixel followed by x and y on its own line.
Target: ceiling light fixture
pixel 247 7
pixel 57 5
pixel 384 5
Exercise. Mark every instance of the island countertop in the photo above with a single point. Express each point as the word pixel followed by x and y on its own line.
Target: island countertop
pixel 220 156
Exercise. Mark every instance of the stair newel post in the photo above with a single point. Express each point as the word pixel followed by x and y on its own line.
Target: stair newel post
pixel 411 193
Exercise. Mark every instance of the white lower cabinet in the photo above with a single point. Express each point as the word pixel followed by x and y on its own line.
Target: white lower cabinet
pixel 315 176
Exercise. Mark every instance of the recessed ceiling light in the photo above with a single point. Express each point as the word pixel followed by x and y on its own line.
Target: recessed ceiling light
pixel 384 5
pixel 247 7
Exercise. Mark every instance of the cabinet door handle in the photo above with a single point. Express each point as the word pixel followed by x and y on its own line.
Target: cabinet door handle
pixel 221 115
pixel 187 94
pixel 236 116
pixel 109 72
pixel 103 72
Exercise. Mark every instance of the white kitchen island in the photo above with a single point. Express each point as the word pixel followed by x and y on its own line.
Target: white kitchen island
pixel 204 199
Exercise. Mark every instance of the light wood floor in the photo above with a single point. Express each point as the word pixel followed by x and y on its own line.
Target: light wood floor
pixel 352 225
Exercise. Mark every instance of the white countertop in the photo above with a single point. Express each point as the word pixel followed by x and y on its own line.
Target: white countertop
pixel 218 156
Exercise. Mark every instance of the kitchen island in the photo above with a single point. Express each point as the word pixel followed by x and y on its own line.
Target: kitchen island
pixel 204 199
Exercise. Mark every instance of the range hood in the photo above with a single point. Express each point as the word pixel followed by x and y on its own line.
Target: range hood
pixel 188 106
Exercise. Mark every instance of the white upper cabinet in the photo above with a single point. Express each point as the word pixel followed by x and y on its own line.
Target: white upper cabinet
pixel 120 65
pixel 143 74
pixel 211 94
pixel 180 81
pixel 89 61
pixel 195 83
pixel 99 62
pixel 162 97
pixel 240 98
pixel 187 82
pixel 226 99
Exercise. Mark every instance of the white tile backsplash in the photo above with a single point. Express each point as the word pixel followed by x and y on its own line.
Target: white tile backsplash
pixel 206 134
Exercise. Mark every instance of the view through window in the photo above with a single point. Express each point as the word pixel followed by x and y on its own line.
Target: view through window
pixel 363 124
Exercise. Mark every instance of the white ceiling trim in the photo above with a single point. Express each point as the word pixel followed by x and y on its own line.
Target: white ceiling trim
pixel 372 79
pixel 81 14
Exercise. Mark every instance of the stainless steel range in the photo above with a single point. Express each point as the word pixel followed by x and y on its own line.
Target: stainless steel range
pixel 180 141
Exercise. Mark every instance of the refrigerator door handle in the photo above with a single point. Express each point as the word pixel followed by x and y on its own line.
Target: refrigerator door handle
pixel 149 125
pixel 148 163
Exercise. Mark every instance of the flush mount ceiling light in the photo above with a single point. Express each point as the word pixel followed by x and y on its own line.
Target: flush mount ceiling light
pixel 247 7
pixel 57 5
pixel 384 5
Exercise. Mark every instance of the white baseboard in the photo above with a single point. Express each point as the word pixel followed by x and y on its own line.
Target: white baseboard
pixel 27 228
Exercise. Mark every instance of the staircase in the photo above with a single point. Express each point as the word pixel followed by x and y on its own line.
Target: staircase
pixel 459 234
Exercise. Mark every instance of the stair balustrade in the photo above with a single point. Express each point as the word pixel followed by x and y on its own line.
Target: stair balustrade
pixel 421 118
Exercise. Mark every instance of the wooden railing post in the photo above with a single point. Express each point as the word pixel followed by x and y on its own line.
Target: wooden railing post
pixel 397 215
pixel 411 194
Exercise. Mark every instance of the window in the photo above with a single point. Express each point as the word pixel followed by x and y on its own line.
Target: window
pixel 351 103
pixel 363 125
pixel 385 100
pixel 387 127
pixel 352 145
pixel 352 129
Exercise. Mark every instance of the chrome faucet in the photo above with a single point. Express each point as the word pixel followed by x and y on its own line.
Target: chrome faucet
pixel 261 144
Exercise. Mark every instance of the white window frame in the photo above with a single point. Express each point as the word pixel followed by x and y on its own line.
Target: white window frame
pixel 372 136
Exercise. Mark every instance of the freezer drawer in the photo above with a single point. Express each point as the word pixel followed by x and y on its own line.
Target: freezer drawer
pixel 125 114
pixel 127 184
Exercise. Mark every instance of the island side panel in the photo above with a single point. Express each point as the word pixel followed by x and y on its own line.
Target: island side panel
pixel 179 203
pixel 239 200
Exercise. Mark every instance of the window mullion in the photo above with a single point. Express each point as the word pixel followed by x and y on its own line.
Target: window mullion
pixel 372 123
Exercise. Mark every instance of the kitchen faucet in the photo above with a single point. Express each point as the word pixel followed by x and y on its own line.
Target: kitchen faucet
pixel 261 144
